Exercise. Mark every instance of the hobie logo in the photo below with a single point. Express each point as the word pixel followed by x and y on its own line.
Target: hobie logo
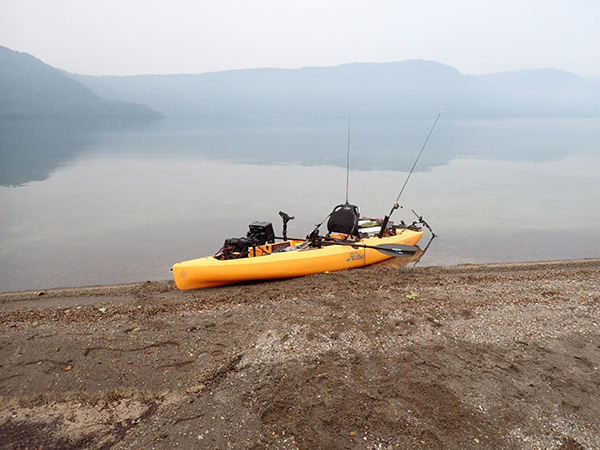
pixel 355 256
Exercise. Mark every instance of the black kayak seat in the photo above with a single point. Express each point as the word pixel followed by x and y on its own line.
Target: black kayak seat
pixel 344 219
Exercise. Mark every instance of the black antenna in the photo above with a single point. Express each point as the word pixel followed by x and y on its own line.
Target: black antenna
pixel 396 205
pixel 315 232
pixel 348 160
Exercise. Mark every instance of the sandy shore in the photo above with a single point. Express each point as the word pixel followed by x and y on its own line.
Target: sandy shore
pixel 487 356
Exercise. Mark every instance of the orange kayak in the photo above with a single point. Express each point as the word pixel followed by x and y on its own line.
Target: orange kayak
pixel 291 258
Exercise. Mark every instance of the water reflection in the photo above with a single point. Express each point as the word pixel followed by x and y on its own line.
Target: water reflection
pixel 122 204
pixel 30 149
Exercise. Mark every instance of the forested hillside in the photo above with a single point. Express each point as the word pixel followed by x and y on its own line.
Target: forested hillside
pixel 30 88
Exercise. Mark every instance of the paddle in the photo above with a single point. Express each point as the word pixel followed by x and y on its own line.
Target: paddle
pixel 396 250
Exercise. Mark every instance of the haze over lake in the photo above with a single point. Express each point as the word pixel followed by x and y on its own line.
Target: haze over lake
pixel 89 202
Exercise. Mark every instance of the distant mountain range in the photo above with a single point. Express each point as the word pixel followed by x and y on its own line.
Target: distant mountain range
pixel 412 88
pixel 408 89
pixel 30 88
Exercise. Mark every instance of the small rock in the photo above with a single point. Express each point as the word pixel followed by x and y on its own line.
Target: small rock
pixel 195 389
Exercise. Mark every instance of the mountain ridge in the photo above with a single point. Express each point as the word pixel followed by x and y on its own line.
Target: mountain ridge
pixel 411 88
pixel 405 88
pixel 30 88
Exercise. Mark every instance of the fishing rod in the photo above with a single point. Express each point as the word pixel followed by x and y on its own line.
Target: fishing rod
pixel 348 160
pixel 396 205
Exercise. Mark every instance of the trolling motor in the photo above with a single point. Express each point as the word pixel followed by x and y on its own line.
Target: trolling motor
pixel 286 218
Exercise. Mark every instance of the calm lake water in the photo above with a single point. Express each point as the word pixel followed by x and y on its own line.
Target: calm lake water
pixel 87 203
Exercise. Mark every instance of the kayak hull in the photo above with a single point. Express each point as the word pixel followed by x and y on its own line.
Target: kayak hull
pixel 209 271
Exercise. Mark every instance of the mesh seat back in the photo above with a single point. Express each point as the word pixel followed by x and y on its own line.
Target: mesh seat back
pixel 344 219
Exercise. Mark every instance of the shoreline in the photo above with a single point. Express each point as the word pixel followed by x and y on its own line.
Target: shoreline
pixel 465 356
pixel 102 289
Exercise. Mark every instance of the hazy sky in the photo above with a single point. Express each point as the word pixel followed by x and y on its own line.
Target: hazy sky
pixel 125 37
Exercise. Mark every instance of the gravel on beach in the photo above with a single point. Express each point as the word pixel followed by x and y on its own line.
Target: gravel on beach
pixel 497 356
